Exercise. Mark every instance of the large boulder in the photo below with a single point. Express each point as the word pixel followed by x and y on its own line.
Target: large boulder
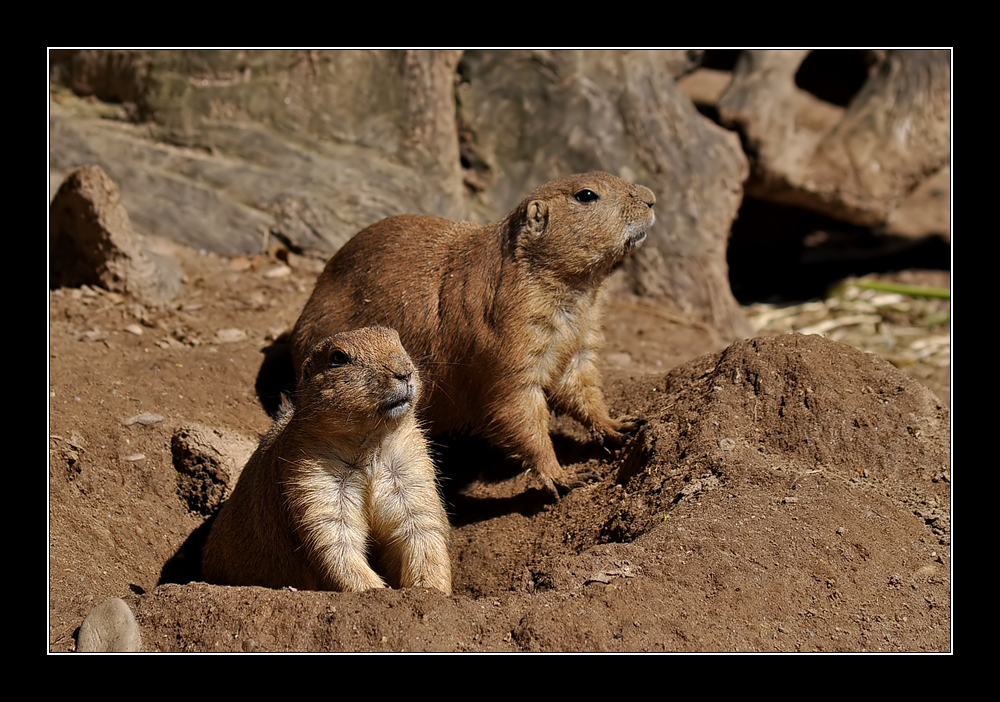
pixel 855 164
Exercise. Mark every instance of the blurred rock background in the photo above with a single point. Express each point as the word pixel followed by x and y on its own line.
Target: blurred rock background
pixel 776 171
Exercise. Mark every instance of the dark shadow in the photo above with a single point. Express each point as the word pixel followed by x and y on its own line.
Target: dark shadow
pixel 720 59
pixel 788 254
pixel 276 376
pixel 185 565
pixel 463 459
pixel 835 75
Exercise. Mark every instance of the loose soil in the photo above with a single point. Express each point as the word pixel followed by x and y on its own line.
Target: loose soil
pixel 787 493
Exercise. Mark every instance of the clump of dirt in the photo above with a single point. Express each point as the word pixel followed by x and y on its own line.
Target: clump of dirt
pixel 786 493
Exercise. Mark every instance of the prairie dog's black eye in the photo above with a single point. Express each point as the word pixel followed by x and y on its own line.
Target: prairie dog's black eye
pixel 339 358
pixel 586 195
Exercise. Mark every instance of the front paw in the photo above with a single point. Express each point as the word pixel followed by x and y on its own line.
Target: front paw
pixel 619 431
pixel 551 479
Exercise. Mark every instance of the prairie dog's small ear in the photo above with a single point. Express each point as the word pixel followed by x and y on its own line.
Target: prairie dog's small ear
pixel 309 367
pixel 538 216
pixel 306 370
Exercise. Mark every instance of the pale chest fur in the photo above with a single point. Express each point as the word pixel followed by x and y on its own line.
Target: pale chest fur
pixel 331 475
pixel 563 335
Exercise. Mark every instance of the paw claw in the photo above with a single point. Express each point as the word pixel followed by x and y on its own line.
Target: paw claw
pixel 616 433
pixel 552 490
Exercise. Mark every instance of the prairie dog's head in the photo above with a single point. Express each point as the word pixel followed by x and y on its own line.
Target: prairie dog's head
pixel 582 225
pixel 358 379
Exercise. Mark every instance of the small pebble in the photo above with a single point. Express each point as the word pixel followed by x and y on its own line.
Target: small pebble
pixel 227 336
pixel 143 419
pixel 278 272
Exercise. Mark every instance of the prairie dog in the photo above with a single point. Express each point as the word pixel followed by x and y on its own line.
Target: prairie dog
pixel 342 481
pixel 503 320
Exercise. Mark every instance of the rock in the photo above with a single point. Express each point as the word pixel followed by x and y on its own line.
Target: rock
pixel 144 418
pixel 230 336
pixel 109 628
pixel 208 462
pixel 92 243
pixel 312 145
pixel 855 163
pixel 927 210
